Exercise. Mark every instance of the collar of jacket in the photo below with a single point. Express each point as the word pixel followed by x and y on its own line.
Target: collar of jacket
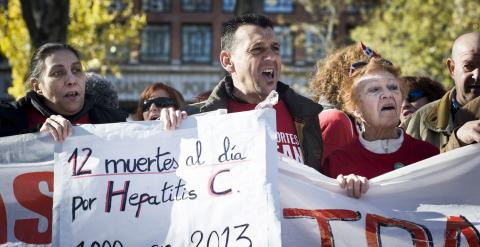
pixel 37 102
pixel 439 118
pixel 299 106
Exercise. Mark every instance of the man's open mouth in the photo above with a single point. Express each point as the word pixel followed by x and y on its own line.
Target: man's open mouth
pixel 268 73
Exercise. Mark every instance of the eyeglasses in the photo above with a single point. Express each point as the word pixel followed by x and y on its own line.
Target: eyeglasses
pixel 359 64
pixel 415 95
pixel 159 102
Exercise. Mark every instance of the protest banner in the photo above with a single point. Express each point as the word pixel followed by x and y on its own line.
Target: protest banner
pixel 26 190
pixel 431 203
pixel 205 184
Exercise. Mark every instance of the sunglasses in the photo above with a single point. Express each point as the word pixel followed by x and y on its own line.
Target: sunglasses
pixel 415 95
pixel 159 102
pixel 368 51
pixel 360 64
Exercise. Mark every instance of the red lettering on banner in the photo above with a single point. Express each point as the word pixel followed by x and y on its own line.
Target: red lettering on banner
pixel 457 225
pixel 28 194
pixel 420 235
pixel 3 222
pixel 323 216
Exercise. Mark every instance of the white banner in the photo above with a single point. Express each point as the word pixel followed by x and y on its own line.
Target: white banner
pixel 205 184
pixel 432 203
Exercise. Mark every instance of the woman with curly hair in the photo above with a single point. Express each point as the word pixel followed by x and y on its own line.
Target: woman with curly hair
pixel 338 128
pixel 373 93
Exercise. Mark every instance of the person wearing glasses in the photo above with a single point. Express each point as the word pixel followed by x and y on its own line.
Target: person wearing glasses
pixel 434 122
pixel 423 90
pixel 373 93
pixel 57 99
pixel 155 97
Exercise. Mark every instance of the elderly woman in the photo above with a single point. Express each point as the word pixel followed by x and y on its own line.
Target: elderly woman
pixel 374 94
pixel 338 127
pixel 57 98
pixel 154 98
pixel 423 90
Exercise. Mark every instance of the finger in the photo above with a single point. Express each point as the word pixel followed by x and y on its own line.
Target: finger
pixel 476 137
pixel 64 124
pixel 350 186
pixel 184 114
pixel 365 184
pixel 341 181
pixel 178 116
pixel 357 188
pixel 173 118
pixel 52 127
pixel 58 128
pixel 164 118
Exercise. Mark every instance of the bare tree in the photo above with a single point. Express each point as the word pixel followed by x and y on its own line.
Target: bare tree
pixel 46 20
pixel 330 14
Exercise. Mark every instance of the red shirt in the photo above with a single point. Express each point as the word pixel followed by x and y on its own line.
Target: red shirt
pixel 287 139
pixel 338 130
pixel 356 159
pixel 34 118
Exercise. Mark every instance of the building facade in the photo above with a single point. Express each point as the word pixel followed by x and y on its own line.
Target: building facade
pixel 180 46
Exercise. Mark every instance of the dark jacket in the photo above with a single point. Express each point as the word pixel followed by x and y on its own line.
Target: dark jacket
pixel 13 116
pixel 304 112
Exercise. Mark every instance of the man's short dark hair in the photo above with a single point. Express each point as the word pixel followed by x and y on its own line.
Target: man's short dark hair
pixel 230 27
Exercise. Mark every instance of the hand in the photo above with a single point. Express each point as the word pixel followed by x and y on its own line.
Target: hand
pixel 58 126
pixel 469 132
pixel 171 118
pixel 355 185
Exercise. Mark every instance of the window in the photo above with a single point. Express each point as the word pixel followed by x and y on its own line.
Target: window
pixel 278 6
pixel 157 5
pixel 197 5
pixel 196 43
pixel 314 46
pixel 285 37
pixel 155 45
pixel 229 5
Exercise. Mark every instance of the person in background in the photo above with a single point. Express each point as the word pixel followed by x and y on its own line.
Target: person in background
pixel 434 122
pixel 103 90
pixel 374 94
pixel 155 97
pixel 422 90
pixel 203 96
pixel 57 98
pixel 339 128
